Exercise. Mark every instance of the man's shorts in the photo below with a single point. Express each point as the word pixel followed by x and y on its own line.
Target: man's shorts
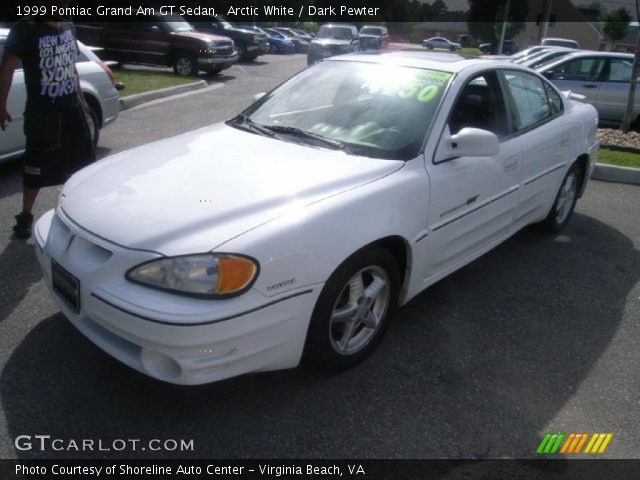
pixel 58 145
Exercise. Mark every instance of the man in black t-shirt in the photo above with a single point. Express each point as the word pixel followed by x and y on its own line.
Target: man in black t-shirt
pixel 58 140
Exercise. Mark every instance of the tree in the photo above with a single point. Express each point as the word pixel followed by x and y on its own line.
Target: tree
pixel 439 8
pixel 485 17
pixel 616 24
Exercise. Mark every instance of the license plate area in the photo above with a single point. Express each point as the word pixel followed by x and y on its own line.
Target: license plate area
pixel 66 286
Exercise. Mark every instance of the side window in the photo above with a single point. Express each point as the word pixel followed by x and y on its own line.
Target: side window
pixel 555 100
pixel 529 97
pixel 619 70
pixel 580 69
pixel 479 106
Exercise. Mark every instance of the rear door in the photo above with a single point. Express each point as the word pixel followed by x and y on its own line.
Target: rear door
pixel 12 138
pixel 614 90
pixel 545 136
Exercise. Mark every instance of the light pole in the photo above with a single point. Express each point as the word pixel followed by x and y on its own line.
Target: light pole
pixel 504 26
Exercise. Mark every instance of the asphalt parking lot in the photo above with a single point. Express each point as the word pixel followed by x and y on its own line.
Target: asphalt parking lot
pixel 540 335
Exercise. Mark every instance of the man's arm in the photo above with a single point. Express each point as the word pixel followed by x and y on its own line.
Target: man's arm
pixel 9 65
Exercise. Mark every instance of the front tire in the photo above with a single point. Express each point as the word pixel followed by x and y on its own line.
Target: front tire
pixel 565 202
pixel 353 310
pixel 185 64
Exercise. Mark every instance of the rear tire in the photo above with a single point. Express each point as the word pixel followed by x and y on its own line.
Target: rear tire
pixel 565 201
pixel 94 126
pixel 353 310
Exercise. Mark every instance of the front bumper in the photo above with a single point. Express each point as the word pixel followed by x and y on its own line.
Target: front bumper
pixel 258 49
pixel 225 61
pixel 169 337
pixel 593 157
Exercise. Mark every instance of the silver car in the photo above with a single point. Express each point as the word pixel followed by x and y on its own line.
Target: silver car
pixel 602 77
pixel 98 86
pixel 440 42
pixel 542 57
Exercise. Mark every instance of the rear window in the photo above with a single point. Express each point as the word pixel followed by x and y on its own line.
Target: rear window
pixel 338 33
pixel 371 31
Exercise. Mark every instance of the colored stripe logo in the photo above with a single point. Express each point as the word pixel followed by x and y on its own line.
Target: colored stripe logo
pixel 574 443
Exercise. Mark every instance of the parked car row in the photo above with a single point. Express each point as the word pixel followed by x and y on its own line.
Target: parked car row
pixel 189 44
pixel 602 78
pixel 97 84
pixel 338 39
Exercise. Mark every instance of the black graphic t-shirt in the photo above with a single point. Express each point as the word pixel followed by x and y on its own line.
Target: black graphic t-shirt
pixel 49 56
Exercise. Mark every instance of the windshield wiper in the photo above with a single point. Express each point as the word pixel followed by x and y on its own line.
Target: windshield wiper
pixel 244 122
pixel 314 137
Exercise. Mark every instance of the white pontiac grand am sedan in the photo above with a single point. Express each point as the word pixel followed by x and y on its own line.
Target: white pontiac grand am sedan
pixel 294 230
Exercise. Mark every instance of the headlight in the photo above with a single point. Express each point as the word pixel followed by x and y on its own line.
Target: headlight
pixel 207 275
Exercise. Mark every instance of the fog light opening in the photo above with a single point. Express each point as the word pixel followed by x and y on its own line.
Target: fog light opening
pixel 160 365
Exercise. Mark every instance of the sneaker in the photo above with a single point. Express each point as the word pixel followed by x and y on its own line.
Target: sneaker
pixel 22 228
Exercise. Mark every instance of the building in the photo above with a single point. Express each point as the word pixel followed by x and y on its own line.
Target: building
pixel 566 21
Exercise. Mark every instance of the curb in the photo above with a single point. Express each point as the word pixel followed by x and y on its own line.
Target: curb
pixel 618 148
pixel 613 173
pixel 140 98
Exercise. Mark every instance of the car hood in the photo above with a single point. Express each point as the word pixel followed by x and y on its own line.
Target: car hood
pixel 369 36
pixel 201 36
pixel 194 192
pixel 330 41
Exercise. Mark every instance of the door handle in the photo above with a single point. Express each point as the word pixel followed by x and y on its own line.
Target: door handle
pixel 511 163
pixel 564 140
pixel 589 85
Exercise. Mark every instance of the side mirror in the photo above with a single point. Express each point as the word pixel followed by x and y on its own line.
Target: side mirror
pixel 468 142
pixel 153 28
pixel 258 96
pixel 549 74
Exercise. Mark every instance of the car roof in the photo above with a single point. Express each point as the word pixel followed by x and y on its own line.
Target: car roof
pixel 594 53
pixel 448 62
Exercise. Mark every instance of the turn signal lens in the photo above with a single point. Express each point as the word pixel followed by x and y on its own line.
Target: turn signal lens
pixel 234 274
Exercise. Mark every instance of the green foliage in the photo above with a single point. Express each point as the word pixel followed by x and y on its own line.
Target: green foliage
pixel 616 24
pixel 486 16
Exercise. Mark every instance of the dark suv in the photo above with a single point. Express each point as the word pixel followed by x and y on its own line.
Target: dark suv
pixel 333 39
pixel 250 44
pixel 161 40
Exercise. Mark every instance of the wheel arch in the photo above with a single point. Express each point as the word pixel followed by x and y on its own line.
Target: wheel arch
pixel 94 104
pixel 400 250
pixel 583 162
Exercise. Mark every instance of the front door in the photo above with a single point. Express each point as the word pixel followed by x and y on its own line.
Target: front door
pixel 472 199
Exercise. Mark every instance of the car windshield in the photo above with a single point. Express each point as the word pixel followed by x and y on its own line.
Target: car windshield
pixel 371 31
pixel 179 26
pixel 370 109
pixel 336 33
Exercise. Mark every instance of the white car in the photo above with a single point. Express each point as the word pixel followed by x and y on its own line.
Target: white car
pixel 98 86
pixel 296 229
